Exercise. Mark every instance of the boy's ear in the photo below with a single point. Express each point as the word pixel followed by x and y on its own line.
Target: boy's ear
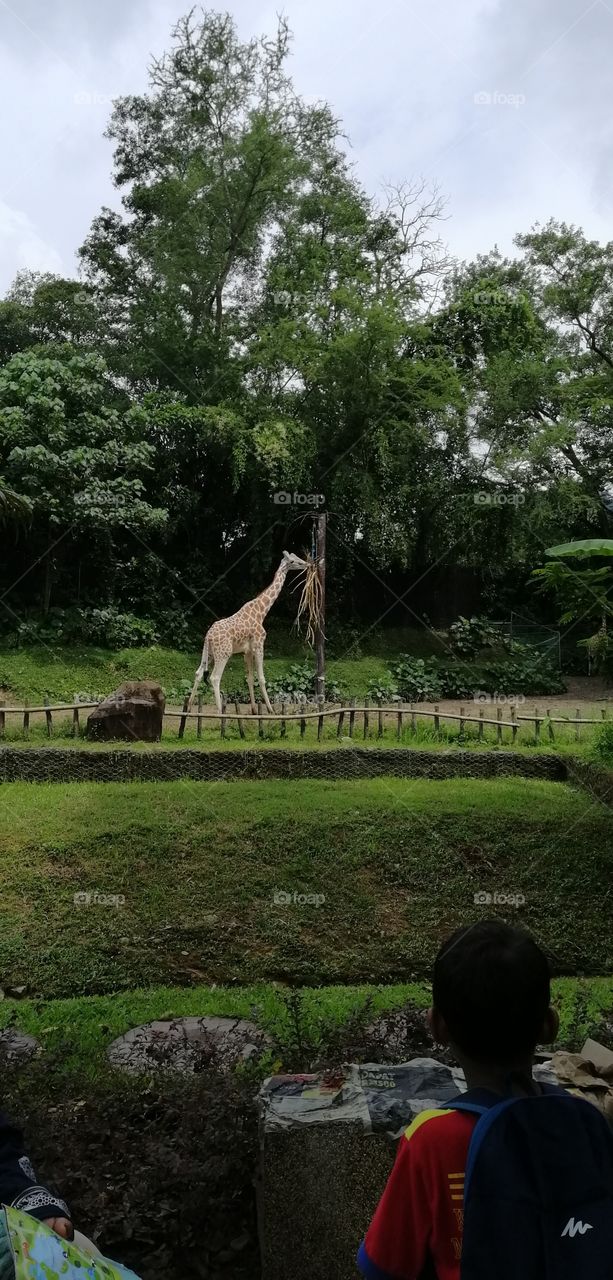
pixel 438 1027
pixel 551 1026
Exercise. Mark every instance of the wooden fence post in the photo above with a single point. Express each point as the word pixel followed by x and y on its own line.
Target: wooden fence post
pixel 341 717
pixel 549 725
pixel 183 719
pixel 75 722
pixel 240 719
pixel 399 728
pixel 302 724
pixel 577 726
pixel 351 717
pixel 461 735
pixel 481 725
pixel 366 706
pixel 413 722
pixel 199 720
pixel 260 727
pixel 283 724
pixel 320 725
pixel 499 725
pixel 26 719
pixel 2 721
pixel 380 724
pixel 437 722
pixel 48 719
pixel 222 723
pixel 537 725
pixel 514 719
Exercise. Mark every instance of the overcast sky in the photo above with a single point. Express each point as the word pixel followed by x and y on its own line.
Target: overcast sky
pixel 506 105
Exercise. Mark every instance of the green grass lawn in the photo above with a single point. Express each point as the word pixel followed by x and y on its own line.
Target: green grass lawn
pixel 77 1031
pixel 62 674
pixel 397 862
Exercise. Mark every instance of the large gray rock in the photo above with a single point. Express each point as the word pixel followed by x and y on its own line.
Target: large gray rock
pixel 16 1047
pixel 188 1045
pixel 134 712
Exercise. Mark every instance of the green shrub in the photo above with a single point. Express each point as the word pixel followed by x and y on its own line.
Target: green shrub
pixel 419 680
pixel 109 628
pixel 384 691
pixel 299 685
pixel 602 744
pixel 468 636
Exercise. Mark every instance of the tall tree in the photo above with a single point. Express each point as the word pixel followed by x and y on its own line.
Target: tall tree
pixel 72 445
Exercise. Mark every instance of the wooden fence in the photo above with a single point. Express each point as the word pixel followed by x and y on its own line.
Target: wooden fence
pixel 405 715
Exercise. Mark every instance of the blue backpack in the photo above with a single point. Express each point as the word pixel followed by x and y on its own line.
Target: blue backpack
pixel 538 1188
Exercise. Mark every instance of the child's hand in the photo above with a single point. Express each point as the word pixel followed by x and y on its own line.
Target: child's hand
pixel 62 1226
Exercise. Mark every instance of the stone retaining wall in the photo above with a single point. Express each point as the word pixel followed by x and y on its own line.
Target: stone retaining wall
pixel 53 764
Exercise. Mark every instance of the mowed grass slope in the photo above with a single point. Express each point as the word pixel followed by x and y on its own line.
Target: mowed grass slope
pixel 397 862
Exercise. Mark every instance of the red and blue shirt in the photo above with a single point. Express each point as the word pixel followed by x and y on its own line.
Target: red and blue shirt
pixel 417 1228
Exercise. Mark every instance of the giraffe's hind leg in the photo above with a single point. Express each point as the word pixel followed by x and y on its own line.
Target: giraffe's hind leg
pixel 249 671
pixel 218 669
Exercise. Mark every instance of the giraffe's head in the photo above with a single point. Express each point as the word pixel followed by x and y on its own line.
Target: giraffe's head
pixel 293 562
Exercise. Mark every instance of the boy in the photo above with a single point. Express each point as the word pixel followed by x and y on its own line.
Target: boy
pixel 490 1003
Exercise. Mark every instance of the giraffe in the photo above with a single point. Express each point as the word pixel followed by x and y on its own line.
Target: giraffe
pixel 243 633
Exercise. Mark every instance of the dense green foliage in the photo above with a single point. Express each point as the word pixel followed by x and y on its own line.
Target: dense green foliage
pixel 251 322
pixel 427 680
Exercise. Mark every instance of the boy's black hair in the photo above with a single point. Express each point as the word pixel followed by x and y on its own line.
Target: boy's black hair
pixel 491 984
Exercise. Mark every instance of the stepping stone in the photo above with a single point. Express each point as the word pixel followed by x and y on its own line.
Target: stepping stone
pixel 16 1047
pixel 188 1045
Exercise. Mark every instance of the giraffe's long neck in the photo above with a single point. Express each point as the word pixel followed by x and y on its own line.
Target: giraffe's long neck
pixel 268 597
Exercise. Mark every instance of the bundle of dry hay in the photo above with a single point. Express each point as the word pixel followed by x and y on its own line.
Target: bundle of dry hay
pixel 311 600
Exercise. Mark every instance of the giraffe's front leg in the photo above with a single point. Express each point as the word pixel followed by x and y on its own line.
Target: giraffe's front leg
pixel 259 666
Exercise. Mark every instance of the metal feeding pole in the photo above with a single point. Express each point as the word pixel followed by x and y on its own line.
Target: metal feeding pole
pixel 319 539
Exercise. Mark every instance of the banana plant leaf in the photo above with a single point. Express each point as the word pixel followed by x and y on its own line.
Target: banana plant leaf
pixel 587 547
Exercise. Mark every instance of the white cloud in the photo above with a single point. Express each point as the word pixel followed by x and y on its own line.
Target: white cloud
pixel 401 75
pixel 22 246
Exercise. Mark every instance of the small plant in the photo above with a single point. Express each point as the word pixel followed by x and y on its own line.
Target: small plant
pixel 416 680
pixel 299 685
pixel 468 636
pixel 383 691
